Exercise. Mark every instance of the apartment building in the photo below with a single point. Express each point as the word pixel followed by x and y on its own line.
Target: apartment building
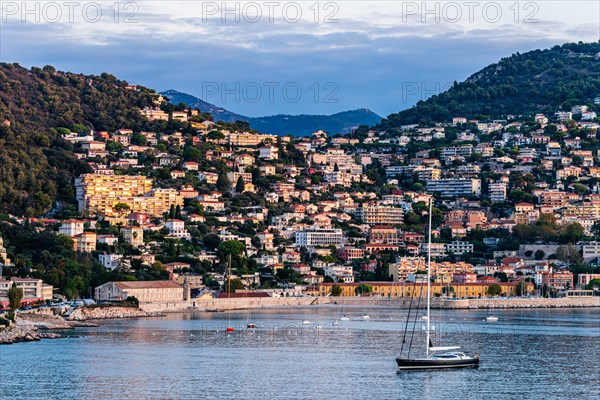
pixel 98 194
pixel 455 187
pixel 497 192
pixel 340 273
pixel 350 253
pixel 133 235
pixel 459 247
pixel 248 139
pixel 71 227
pixel 85 242
pixel 384 234
pixel 177 229
pixel 460 151
pixel 320 237
pixel 376 214
pixel 268 153
pixel 32 289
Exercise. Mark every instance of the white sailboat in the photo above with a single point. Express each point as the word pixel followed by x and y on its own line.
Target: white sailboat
pixel 344 317
pixel 435 357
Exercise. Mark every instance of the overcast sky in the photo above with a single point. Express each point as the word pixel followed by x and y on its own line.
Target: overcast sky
pixel 289 57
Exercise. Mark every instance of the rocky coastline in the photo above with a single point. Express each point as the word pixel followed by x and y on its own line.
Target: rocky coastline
pixel 28 325
pixel 24 333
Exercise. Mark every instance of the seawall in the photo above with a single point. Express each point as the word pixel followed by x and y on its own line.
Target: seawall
pixel 231 304
pixel 270 302
pixel 563 302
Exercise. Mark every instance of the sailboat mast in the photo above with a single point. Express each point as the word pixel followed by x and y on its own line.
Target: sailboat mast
pixel 429 277
pixel 229 278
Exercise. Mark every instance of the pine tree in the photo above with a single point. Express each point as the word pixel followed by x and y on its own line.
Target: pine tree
pixel 240 186
pixel 223 183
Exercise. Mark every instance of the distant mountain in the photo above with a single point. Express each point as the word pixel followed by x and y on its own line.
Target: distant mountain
pixel 282 124
pixel 219 113
pixel 539 80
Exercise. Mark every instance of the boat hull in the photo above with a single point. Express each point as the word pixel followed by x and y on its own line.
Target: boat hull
pixel 409 364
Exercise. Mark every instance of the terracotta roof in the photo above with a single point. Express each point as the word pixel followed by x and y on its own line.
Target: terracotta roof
pixel 147 284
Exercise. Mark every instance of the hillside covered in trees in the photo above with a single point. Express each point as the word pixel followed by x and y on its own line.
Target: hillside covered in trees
pixel 38 166
pixel 536 81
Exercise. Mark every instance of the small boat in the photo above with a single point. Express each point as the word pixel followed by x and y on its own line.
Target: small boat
pixel 344 318
pixel 491 318
pixel 318 326
pixel 250 325
pixel 424 318
pixel 229 329
pixel 365 316
pixel 306 322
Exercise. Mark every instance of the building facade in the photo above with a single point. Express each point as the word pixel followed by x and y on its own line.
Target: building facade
pixel 144 291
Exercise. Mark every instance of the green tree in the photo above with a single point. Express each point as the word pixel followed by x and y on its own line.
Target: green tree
pixel 121 208
pixel 215 135
pixel 521 288
pixel 15 296
pixel 240 186
pixel 235 284
pixel 133 300
pixel 568 254
pixel 539 254
pixel 235 248
pixel 336 290
pixel 191 153
pixel 447 290
pixel 494 290
pixel 211 241
pixel 593 284
pixel 363 289
pixel 223 183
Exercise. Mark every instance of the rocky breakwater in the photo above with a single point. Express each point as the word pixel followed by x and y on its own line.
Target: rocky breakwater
pixel 18 332
pixel 106 312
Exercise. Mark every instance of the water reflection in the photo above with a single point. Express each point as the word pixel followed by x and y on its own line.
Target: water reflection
pixel 550 354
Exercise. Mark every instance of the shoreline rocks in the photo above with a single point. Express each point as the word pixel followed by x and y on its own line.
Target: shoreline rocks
pixel 87 313
pixel 26 333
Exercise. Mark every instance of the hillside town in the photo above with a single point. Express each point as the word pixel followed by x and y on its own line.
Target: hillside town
pixel 217 210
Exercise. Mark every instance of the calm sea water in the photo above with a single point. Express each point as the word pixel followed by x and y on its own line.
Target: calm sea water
pixel 528 354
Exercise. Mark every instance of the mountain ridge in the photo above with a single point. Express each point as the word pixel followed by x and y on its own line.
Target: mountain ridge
pixel 283 124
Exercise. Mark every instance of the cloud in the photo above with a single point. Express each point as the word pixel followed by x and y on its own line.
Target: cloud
pixel 369 55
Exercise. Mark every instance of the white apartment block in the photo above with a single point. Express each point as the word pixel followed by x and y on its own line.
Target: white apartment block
pixel 455 187
pixel 320 237
pixel 498 192
pixel 71 227
pixel 177 229
pixel 110 261
pixel 340 273
pixel 269 153
pixel 459 247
